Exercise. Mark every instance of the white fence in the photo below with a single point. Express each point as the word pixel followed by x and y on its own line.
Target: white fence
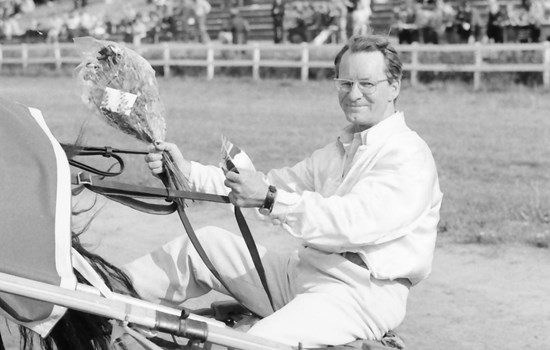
pixel 303 57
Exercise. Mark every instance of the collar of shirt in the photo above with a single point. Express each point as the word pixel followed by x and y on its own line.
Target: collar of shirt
pixel 374 134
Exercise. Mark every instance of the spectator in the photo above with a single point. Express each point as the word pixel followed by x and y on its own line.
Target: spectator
pixel 405 16
pixel 446 15
pixel 340 13
pixel 428 21
pixel 27 6
pixel 10 20
pixel 72 24
pixel 154 29
pixel 183 21
pixel 361 17
pixel 351 6
pixel 495 21
pixel 239 27
pixel 526 22
pixel 80 3
pixel 535 18
pixel 55 28
pixel 467 23
pixel 278 15
pixel 139 29
pixel 202 9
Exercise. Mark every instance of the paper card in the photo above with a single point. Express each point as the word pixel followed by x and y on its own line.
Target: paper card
pixel 233 158
pixel 118 101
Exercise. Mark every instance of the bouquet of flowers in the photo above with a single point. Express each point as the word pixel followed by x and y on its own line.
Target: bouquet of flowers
pixel 120 86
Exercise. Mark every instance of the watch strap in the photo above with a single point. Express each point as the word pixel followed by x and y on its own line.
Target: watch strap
pixel 269 200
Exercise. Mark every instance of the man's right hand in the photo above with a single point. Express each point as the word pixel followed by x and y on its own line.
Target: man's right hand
pixel 155 161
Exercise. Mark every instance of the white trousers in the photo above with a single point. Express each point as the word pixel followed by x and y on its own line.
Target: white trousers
pixel 321 298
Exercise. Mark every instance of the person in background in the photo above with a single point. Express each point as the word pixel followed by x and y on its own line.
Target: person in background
pixel 364 209
pixel 351 6
pixel 139 29
pixel 239 27
pixel 202 9
pixel 340 13
pixel 55 28
pixel 467 23
pixel 405 22
pixel 278 16
pixel 361 17
pixel 495 22
pixel 536 17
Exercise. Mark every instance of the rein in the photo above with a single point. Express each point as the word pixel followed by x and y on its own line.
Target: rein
pixel 107 152
pixel 128 195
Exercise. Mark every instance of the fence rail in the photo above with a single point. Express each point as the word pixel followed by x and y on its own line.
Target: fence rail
pixel 303 57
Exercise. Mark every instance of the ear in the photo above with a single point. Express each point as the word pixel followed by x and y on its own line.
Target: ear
pixel 395 89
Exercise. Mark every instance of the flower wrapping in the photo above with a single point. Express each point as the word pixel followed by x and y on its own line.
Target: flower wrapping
pixel 120 86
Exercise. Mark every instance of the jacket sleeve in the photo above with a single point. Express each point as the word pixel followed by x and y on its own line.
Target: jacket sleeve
pixel 207 179
pixel 383 203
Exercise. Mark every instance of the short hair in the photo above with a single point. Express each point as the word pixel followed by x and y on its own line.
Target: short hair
pixel 373 43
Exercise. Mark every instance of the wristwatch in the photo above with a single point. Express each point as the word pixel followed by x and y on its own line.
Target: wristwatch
pixel 269 200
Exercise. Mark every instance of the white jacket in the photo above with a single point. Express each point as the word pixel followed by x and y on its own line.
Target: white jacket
pixel 381 201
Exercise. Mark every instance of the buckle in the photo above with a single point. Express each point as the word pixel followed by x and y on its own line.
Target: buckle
pixel 83 178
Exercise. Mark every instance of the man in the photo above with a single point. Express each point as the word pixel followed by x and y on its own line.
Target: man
pixel 239 27
pixel 365 208
pixel 278 15
pixel 202 9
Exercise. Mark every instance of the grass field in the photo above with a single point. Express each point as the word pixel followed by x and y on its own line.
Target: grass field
pixel 491 148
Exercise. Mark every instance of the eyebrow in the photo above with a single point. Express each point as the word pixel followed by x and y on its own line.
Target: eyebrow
pixel 360 79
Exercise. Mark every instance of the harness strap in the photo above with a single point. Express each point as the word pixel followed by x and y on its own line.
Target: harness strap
pixel 251 245
pixel 106 151
pixel 109 187
pixel 126 193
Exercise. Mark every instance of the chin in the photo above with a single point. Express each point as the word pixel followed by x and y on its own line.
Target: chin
pixel 357 119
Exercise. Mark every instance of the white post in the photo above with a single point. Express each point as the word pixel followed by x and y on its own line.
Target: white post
pixel 305 62
pixel 57 55
pixel 256 62
pixel 210 63
pixel 414 64
pixel 546 73
pixel 166 59
pixel 478 66
pixel 24 56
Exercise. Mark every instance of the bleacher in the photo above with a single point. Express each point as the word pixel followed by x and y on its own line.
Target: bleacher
pixel 258 13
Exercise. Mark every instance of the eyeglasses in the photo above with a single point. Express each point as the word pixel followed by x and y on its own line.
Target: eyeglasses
pixel 365 86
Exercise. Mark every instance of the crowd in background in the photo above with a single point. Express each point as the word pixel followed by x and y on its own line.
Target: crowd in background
pixel 428 21
pixel 440 22
pixel 181 20
pixel 323 21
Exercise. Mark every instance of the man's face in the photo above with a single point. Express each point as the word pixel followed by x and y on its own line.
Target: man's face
pixel 361 109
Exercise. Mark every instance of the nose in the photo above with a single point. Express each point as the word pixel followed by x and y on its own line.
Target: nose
pixel 355 93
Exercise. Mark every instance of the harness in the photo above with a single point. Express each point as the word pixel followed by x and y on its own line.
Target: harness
pixel 136 197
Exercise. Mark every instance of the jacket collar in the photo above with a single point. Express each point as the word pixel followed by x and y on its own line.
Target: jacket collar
pixel 375 134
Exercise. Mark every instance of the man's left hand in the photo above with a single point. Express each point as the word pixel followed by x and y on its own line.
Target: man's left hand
pixel 248 188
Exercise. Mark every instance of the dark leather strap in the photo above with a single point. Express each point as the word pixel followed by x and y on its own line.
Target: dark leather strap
pixel 149 208
pixel 110 187
pixel 126 194
pixel 251 245
pixel 73 150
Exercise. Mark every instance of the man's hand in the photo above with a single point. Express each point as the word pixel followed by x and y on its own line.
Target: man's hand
pixel 248 188
pixel 156 164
